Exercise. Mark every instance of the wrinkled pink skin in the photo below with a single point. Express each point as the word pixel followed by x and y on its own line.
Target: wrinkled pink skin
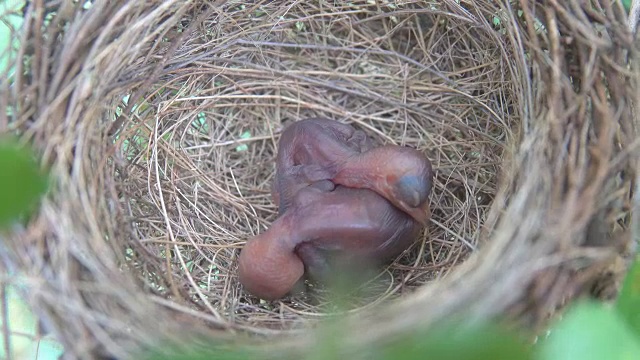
pixel 321 149
pixel 357 224
pixel 336 198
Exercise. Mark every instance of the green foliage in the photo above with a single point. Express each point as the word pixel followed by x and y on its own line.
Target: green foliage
pixel 243 147
pixel 22 183
pixel 487 341
pixel 627 4
pixel 590 331
pixel 628 303
pixel 448 342
pixel 199 354
pixel 197 351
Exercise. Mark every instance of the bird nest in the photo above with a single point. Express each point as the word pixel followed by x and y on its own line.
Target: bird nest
pixel 160 121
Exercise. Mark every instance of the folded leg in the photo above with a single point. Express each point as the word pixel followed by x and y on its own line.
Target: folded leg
pixel 289 183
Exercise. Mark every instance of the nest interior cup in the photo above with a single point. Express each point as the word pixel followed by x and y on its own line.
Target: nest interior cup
pixel 160 123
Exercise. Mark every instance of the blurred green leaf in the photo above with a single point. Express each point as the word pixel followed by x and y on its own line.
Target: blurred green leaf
pixel 205 355
pixel 329 337
pixel 21 182
pixel 627 4
pixel 589 331
pixel 452 342
pixel 197 351
pixel 243 147
pixel 628 303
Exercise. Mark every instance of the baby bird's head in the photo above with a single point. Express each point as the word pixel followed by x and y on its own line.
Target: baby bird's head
pixel 403 176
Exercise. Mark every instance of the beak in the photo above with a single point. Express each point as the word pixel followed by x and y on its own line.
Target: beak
pixel 410 195
pixel 420 214
pixel 413 190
